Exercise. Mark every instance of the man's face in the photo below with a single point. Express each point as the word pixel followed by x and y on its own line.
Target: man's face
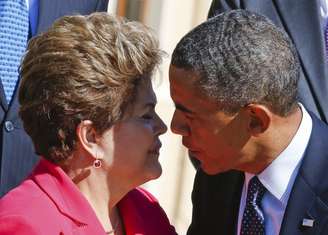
pixel 213 137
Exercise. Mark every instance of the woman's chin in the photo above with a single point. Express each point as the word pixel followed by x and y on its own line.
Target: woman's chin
pixel 154 172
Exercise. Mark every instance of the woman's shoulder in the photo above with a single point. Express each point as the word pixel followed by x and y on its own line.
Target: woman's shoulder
pixel 19 209
pixel 19 199
pixel 140 209
pixel 26 209
pixel 142 195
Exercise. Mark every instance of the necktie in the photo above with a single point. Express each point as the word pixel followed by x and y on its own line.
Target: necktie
pixel 253 218
pixel 14 28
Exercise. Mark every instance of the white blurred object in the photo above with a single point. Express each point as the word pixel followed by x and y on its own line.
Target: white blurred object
pixel 112 6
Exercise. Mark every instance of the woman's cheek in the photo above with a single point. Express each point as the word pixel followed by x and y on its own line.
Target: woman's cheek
pixel 140 132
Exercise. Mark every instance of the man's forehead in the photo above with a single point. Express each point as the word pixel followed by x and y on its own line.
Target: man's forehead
pixel 186 90
pixel 183 82
pixel 181 87
pixel 181 75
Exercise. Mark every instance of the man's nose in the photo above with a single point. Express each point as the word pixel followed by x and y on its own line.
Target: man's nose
pixel 179 124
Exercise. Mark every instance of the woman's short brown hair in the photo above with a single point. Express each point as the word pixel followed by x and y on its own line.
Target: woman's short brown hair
pixel 82 68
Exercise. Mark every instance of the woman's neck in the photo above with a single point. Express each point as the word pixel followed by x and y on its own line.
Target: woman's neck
pixel 103 192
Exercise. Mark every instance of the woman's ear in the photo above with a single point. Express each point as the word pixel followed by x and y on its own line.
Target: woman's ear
pixel 88 138
pixel 259 119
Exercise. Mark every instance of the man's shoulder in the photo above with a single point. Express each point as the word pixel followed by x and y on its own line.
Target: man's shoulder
pixel 318 125
pixel 213 192
pixel 215 202
pixel 315 163
pixel 229 178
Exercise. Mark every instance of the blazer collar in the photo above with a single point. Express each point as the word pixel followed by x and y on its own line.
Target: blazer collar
pixel 306 201
pixel 62 191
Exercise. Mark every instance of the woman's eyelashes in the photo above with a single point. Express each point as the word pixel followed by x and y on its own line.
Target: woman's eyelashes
pixel 147 116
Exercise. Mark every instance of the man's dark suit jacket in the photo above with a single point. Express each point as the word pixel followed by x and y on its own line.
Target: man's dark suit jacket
pixel 302 21
pixel 216 198
pixel 17 152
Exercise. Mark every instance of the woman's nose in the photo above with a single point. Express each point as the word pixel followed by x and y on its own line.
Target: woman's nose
pixel 161 127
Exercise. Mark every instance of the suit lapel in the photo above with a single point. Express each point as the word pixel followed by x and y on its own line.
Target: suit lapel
pixel 306 200
pixel 301 205
pixel 14 104
pixel 227 195
pixel 302 23
pixel 3 101
pixel 216 201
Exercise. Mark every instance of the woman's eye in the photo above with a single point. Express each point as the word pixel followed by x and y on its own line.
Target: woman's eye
pixel 147 116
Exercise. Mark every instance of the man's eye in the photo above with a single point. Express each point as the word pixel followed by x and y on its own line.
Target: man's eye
pixel 190 117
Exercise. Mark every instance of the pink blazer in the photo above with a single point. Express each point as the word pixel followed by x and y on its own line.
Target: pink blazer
pixel 48 203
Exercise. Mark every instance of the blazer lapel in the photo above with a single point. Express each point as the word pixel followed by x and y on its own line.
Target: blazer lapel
pixel 302 23
pixel 302 204
pixel 307 200
pixel 13 107
pixel 3 101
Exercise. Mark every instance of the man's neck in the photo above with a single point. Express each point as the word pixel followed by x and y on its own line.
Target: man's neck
pixel 276 140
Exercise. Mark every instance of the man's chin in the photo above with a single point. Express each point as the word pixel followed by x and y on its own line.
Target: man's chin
pixel 210 170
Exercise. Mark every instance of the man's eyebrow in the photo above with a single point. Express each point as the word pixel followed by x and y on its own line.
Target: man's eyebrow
pixel 182 108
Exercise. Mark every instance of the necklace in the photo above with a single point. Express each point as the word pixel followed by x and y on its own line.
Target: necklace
pixel 114 228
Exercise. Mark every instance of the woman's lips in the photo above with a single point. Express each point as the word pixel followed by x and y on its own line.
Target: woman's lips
pixel 155 149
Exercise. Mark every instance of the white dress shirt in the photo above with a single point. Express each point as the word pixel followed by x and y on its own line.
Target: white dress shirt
pixel 324 12
pixel 278 178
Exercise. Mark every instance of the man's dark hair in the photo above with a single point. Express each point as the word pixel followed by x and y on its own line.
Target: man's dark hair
pixel 241 58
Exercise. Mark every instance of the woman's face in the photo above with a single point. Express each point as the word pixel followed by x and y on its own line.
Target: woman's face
pixel 131 147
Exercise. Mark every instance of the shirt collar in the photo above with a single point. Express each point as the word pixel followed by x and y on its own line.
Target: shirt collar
pixel 324 12
pixel 324 8
pixel 279 176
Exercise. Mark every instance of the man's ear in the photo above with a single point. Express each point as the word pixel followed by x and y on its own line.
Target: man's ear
pixel 259 118
pixel 89 139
